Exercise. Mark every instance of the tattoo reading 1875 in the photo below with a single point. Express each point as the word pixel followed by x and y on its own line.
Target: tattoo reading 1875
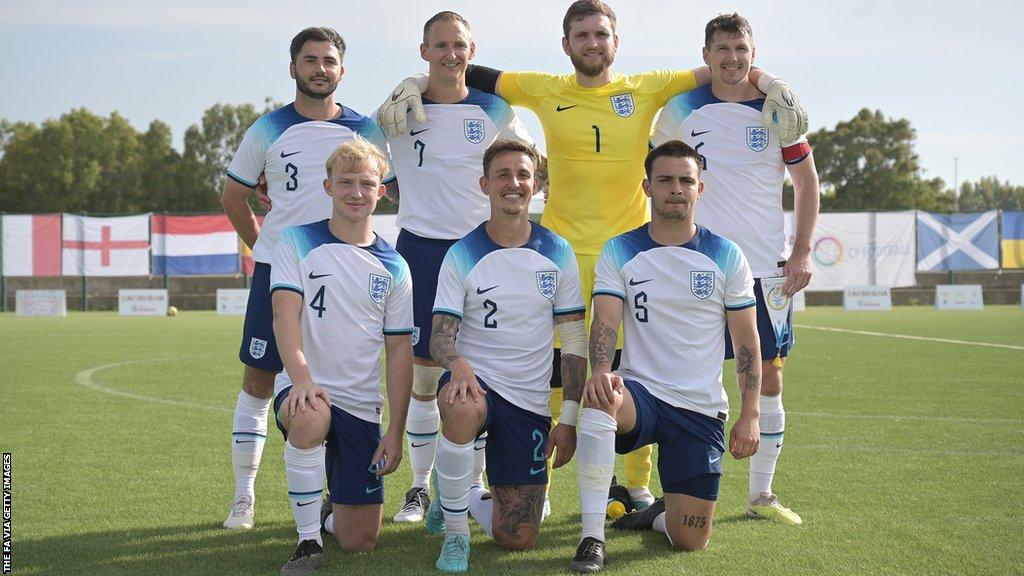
pixel 695 521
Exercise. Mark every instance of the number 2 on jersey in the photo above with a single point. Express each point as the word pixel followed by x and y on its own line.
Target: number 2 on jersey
pixel 492 306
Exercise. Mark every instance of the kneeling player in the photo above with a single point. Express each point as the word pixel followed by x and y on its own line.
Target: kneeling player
pixel 503 289
pixel 340 294
pixel 675 285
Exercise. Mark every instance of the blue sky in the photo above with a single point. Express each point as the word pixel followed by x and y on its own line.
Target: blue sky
pixel 948 67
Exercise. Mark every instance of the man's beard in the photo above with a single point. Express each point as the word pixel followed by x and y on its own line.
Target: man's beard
pixel 591 70
pixel 307 88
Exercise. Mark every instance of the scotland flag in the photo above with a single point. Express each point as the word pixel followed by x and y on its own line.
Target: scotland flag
pixel 957 242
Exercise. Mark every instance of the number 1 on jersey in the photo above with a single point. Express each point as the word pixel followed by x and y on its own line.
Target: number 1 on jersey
pixel 597 138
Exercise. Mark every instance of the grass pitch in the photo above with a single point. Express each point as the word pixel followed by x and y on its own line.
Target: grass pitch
pixel 904 456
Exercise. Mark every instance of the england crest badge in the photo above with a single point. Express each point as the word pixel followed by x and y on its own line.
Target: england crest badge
pixel 257 348
pixel 415 335
pixel 702 284
pixel 757 138
pixel 379 287
pixel 622 104
pixel 547 282
pixel 474 130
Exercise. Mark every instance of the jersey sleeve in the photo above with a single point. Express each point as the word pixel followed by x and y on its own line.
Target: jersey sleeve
pixel 669 121
pixel 568 299
pixel 739 282
pixel 284 267
pixel 374 135
pixel 451 289
pixel 607 279
pixel 524 88
pixel 509 126
pixel 398 306
pixel 669 83
pixel 250 158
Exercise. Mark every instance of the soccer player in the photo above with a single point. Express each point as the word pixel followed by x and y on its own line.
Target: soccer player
pixel 288 146
pixel 341 294
pixel 437 163
pixel 674 286
pixel 743 167
pixel 502 292
pixel 597 125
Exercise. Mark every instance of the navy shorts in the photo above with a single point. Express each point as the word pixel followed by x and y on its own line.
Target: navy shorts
pixel 765 332
pixel 259 347
pixel 424 256
pixel 516 440
pixel 690 445
pixel 351 443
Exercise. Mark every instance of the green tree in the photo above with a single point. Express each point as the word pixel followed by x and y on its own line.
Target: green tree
pixel 990 194
pixel 869 163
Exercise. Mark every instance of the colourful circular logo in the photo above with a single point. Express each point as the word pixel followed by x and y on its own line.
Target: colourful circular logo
pixel 775 299
pixel 828 251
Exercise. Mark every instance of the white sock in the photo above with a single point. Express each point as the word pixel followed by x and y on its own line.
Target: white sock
pixel 595 464
pixel 659 526
pixel 454 477
pixel 421 430
pixel 329 523
pixel 304 469
pixel 248 435
pixel 479 459
pixel 481 510
pixel 762 464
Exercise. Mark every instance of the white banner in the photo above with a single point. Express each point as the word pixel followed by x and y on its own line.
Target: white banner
pixel 959 297
pixel 40 303
pixel 867 299
pixel 116 246
pixel 232 301
pixel 861 248
pixel 147 302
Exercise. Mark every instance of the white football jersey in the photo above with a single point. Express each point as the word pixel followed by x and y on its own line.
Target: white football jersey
pixel 292 151
pixel 507 299
pixel 352 297
pixel 674 300
pixel 439 163
pixel 744 167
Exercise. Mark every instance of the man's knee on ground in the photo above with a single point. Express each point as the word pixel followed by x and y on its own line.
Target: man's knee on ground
pixel 357 540
pixel 523 539
pixel 690 542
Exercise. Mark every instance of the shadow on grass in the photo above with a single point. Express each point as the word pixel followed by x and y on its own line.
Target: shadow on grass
pixel 402 549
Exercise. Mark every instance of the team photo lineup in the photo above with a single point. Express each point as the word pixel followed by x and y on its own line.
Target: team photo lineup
pixel 513 346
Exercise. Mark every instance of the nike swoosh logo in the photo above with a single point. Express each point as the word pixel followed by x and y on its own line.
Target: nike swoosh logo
pixel 244 441
pixel 694 133
pixel 634 282
pixel 307 503
pixel 479 449
pixel 415 445
pixel 283 155
pixel 535 471
pixel 779 445
pixel 484 290
pixel 713 460
pixel 415 132
pixel 372 490
pixel 561 108
pixel 315 276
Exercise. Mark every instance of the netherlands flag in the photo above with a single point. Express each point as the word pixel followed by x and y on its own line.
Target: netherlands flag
pixel 193 245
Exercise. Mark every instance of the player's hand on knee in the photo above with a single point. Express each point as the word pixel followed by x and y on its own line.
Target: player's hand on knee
pixel 601 390
pixel 406 97
pixel 463 383
pixel 303 397
pixel 561 443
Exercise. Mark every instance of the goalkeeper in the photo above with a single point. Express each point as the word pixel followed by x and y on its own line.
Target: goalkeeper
pixel 597 125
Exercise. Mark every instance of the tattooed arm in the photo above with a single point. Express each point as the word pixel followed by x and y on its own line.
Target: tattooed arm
pixel 602 387
pixel 442 349
pixel 574 372
pixel 745 436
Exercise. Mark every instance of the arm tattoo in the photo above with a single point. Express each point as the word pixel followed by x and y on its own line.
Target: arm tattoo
pixel 519 510
pixel 391 191
pixel 442 339
pixel 745 369
pixel 602 343
pixel 574 376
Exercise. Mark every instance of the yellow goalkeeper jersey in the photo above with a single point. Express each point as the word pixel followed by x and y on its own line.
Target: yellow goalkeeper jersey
pixel 597 139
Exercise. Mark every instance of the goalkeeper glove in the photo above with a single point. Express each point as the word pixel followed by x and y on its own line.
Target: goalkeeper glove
pixel 406 97
pixel 782 110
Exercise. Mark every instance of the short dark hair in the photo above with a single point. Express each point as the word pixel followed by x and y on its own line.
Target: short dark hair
pixel 317 34
pixel 672 149
pixel 580 9
pixel 444 16
pixel 509 145
pixel 730 24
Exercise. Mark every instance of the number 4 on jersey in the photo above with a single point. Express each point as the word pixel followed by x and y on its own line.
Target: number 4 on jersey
pixel 317 303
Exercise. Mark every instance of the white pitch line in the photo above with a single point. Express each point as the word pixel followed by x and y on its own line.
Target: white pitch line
pixel 909 337
pixel 917 451
pixel 911 417
pixel 85 378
